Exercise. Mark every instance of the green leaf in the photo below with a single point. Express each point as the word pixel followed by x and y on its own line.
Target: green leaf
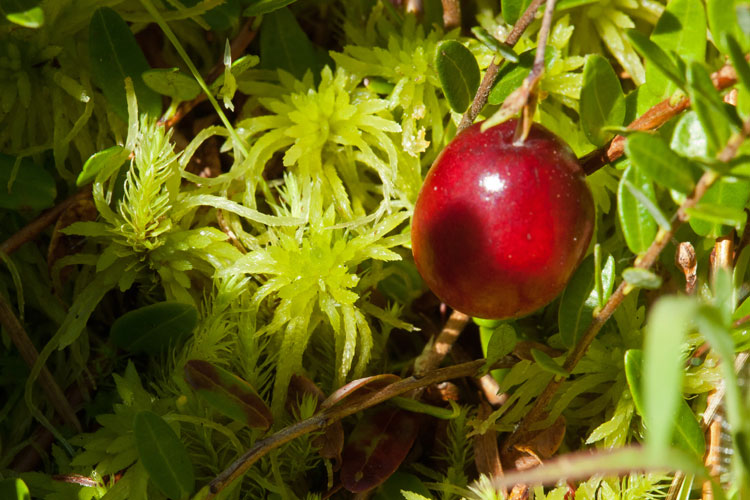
pixel 602 101
pixel 26 13
pixel 681 29
pixel 711 217
pixel 638 225
pixel 655 56
pixel 648 203
pixel 163 455
pixel 654 158
pixel 228 394
pixel 723 21
pixel 668 324
pixel 688 138
pixel 172 83
pixel 721 207
pixel 641 278
pixel 501 343
pixel 494 44
pixel 14 489
pixel 688 434
pixel 283 44
pixel 100 160
pixel 115 55
pixel 510 77
pixel 709 107
pixel 512 9
pixel 738 60
pixel 154 328
pixel 32 187
pixel 580 299
pixel 459 74
pixel 548 364
pixel 259 7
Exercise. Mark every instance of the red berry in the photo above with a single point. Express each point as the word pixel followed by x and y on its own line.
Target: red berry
pixel 498 228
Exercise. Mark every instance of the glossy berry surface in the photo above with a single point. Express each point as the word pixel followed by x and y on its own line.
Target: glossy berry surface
pixel 498 229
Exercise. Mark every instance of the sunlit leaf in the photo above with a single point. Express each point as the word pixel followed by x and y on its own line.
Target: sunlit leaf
pixel 100 160
pixel 638 225
pixel 14 489
pixel 654 158
pixel 458 72
pixel 602 101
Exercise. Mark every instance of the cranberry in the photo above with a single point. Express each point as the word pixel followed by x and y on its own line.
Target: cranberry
pixel 499 228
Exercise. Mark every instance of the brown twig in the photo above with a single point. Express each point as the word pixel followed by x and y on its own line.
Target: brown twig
pixel 644 262
pixel 651 120
pixel 483 92
pixel 335 413
pixel 434 352
pixel 33 228
pixel 28 352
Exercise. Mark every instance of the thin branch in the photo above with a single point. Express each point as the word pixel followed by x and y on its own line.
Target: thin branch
pixel 330 415
pixel 644 262
pixel 434 352
pixel 35 227
pixel 483 92
pixel 28 352
pixel 651 120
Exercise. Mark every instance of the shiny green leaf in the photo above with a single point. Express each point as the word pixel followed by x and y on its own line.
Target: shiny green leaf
pixel 711 217
pixel 681 29
pixel 655 56
pixel 647 202
pixel 638 225
pixel 172 83
pixel 510 77
pixel 689 138
pixel 739 62
pixel 115 55
pixel 163 455
pixel 100 160
pixel 228 394
pixel 283 44
pixel 668 324
pixel 709 106
pixel 512 9
pixel 154 328
pixel 458 72
pixel 722 20
pixel 32 187
pixel 641 278
pixel 653 157
pixel 602 101
pixel 688 434
pixel 26 13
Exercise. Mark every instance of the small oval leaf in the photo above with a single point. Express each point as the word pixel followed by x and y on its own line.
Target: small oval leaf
pixel 577 304
pixel 228 394
pixel 602 100
pixel 638 226
pixel 376 447
pixel 501 343
pixel 459 74
pixel 654 158
pixel 163 455
pixel 98 161
pixel 154 328
pixel 115 55
pixel 641 278
pixel 33 188
pixel 548 364
pixel 283 44
pixel 172 83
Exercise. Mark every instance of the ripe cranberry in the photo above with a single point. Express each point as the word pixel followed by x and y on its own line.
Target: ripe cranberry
pixel 498 228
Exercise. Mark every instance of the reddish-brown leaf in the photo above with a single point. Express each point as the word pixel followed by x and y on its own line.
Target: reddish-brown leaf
pixel 228 394
pixel 376 447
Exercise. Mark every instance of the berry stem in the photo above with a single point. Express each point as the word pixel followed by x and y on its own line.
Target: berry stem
pixel 483 92
pixel 645 262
